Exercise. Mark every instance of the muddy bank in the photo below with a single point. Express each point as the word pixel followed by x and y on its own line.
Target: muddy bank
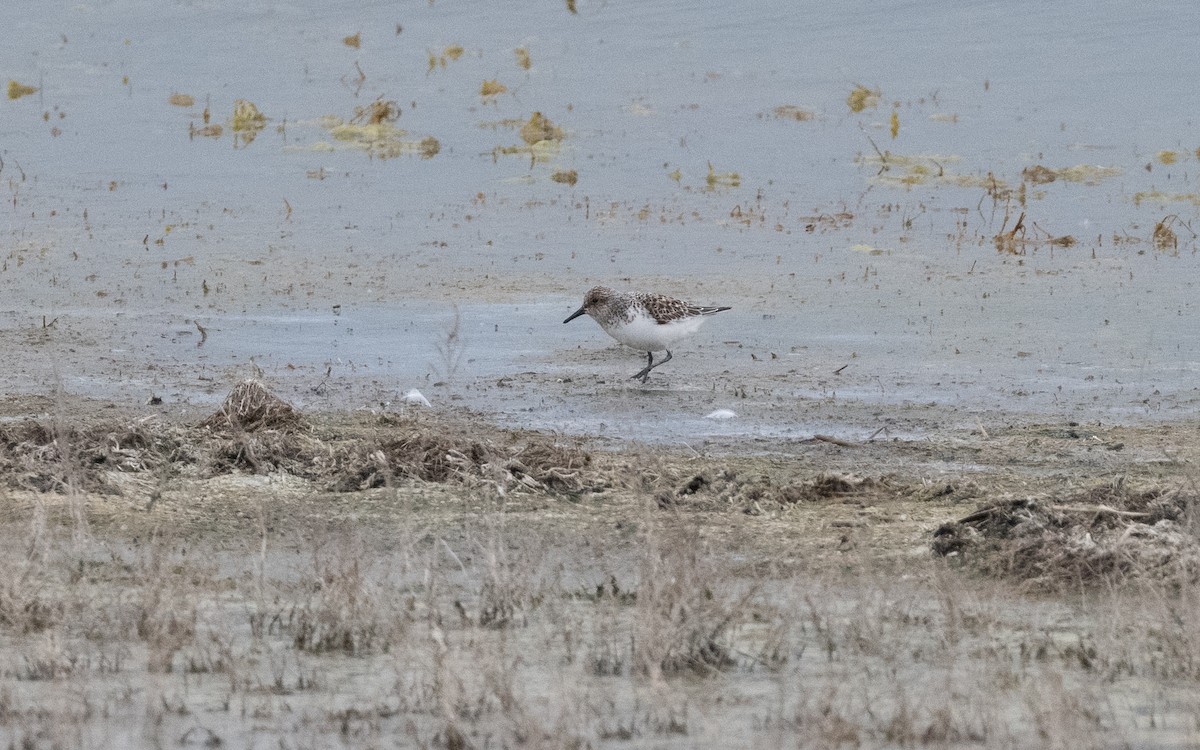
pixel 262 574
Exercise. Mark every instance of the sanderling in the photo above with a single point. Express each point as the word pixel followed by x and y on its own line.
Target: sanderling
pixel 650 322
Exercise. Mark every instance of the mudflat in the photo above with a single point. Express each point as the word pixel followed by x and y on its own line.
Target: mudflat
pixel 414 577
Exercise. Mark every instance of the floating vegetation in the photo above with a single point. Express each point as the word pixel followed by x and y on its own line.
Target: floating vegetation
pixel 542 138
pixel 895 124
pixel 523 60
pixel 181 100
pixel 944 117
pixel 1017 239
pixel 378 111
pixel 539 128
pixel 17 90
pixel 1038 175
pixel 451 53
pixel 247 121
pixel 1087 174
pixel 866 250
pixel 792 112
pixel 900 170
pixel 372 130
pixel 571 7
pixel 212 130
pixel 1165 238
pixel 354 40
pixel 862 97
pixel 717 179
pixel 492 89
pixel 1158 196
pixel 568 177
pixel 1167 157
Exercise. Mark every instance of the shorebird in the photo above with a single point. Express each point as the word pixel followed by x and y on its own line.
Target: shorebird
pixel 650 322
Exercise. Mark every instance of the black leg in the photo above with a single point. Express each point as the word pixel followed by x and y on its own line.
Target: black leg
pixel 644 375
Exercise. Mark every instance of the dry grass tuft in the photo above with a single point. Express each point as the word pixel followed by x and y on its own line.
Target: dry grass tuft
pixel 1104 535
pixel 251 407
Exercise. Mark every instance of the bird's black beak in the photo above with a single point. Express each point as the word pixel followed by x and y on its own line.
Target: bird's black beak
pixel 575 315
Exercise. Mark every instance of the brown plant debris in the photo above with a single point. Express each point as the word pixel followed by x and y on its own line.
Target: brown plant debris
pixel 862 98
pixel 379 111
pixel 568 177
pixel 251 407
pixel 1103 535
pixel 792 112
pixel 491 89
pixel 181 100
pixel 257 432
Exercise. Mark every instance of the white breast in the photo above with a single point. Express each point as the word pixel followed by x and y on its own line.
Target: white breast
pixel 645 333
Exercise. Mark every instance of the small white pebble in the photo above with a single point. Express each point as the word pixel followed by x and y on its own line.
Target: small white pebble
pixel 721 414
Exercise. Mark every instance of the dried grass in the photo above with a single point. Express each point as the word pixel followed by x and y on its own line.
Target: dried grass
pixel 255 431
pixel 1104 535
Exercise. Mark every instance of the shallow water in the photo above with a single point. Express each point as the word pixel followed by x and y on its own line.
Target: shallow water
pixel 302 256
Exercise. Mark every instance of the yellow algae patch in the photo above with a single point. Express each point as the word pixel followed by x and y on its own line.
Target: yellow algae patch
pixel 523 60
pixel 17 90
pixel 568 177
pixel 862 97
pixel 354 40
pixel 246 116
pixel 247 121
pixel 181 100
pixel 451 53
pixel 539 128
pixel 792 112
pixel 1157 196
pixel 1167 157
pixel 901 170
pixel 491 89
pixel 895 124
pixel 372 130
pixel 717 179
pixel 383 140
